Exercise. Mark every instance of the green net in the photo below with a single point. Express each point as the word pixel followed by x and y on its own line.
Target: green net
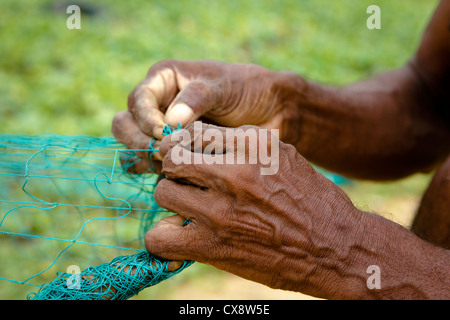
pixel 70 210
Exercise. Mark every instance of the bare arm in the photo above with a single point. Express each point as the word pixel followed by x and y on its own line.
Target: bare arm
pixel 387 127
pixel 296 230
pixel 293 230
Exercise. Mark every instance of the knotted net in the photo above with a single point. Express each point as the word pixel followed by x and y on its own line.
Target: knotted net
pixel 69 206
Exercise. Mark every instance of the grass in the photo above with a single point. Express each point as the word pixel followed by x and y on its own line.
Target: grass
pixel 73 81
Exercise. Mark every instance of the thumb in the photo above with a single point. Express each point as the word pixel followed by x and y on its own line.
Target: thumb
pixel 167 239
pixel 196 98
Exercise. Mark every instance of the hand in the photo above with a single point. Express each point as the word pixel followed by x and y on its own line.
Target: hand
pixel 282 230
pixel 183 91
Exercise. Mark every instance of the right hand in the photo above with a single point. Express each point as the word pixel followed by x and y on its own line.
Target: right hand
pixel 184 91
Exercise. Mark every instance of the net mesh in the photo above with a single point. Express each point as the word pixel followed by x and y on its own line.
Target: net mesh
pixel 69 207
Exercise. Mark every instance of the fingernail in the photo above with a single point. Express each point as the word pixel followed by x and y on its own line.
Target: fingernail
pixel 174 265
pixel 158 133
pixel 180 113
pixel 157 156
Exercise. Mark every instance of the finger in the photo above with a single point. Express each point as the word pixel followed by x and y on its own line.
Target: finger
pixel 154 146
pixel 126 131
pixel 168 239
pixel 194 100
pixel 182 161
pixel 172 239
pixel 132 163
pixel 142 159
pixel 170 141
pixel 199 137
pixel 188 201
pixel 174 265
pixel 176 220
pixel 186 167
pixel 151 97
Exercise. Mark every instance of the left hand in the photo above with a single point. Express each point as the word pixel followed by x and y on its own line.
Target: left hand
pixel 285 230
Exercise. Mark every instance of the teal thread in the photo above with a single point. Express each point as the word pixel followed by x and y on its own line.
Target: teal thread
pixel 80 159
pixel 120 279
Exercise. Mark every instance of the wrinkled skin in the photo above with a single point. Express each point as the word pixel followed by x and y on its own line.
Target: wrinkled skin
pixel 260 233
pixel 296 230
pixel 183 91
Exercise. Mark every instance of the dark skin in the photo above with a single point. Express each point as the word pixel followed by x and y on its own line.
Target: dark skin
pixel 296 230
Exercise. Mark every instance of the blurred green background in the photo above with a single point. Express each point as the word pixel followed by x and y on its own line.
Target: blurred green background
pixel 63 81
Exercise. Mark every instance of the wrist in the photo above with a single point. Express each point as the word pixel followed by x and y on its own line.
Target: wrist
pixel 360 255
pixel 384 260
pixel 328 265
pixel 341 267
pixel 290 89
pixel 310 113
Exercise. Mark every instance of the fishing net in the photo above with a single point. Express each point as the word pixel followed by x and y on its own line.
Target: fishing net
pixel 73 219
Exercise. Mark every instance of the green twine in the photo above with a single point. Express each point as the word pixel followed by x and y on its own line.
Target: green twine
pixel 124 276
pixel 121 279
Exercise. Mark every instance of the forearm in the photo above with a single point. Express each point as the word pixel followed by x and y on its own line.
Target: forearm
pixel 382 128
pixel 431 59
pixel 410 268
pixel 406 267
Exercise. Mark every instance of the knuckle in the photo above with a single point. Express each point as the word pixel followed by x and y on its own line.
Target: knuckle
pixel 289 149
pixel 152 244
pixel 168 164
pixel 132 98
pixel 118 123
pixel 167 62
pixel 118 118
pixel 166 144
pixel 161 65
pixel 203 93
pixel 160 193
